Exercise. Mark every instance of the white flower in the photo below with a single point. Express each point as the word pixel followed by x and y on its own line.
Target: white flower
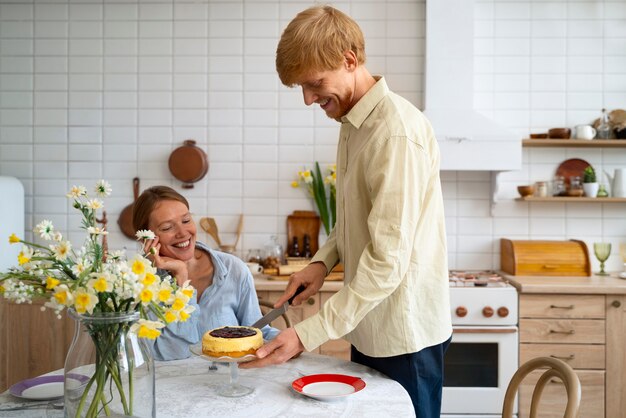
pixel 84 300
pixel 115 256
pixel 94 230
pixel 147 329
pixel 45 229
pixel 77 191
pixel 144 234
pixel 100 282
pixel 103 188
pixel 81 266
pixel 58 237
pixel 61 250
pixel 94 204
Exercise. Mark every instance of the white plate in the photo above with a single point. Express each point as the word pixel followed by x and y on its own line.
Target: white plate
pixel 328 387
pixel 43 387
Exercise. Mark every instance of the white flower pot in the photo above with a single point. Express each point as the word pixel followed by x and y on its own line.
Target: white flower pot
pixel 591 189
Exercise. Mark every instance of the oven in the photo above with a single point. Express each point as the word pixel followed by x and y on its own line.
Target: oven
pixel 483 354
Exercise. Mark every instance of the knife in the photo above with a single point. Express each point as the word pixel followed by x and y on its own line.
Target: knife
pixel 275 313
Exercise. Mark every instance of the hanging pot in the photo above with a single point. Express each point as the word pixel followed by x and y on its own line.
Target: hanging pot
pixel 125 221
pixel 188 163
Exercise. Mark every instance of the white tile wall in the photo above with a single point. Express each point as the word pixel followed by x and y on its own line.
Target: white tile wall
pixel 111 88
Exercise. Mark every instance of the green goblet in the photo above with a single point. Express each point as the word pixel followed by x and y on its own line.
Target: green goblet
pixel 602 251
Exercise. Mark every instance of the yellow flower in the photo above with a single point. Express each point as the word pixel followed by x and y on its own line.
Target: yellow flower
pixel 164 294
pixel 1 289
pixel 22 259
pixel 100 283
pixel 84 301
pixel 178 304
pixel 147 329
pixel 51 282
pixel 183 316
pixel 188 292
pixel 146 295
pixel 170 316
pixel 62 295
pixel 295 184
pixel 138 267
pixel 149 278
pixel 14 239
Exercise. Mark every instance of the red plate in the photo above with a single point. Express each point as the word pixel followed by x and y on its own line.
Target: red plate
pixel 327 386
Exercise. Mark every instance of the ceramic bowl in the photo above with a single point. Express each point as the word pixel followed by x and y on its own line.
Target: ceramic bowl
pixel 525 190
pixel 559 133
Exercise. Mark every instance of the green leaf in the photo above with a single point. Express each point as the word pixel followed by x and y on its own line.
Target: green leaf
pixel 319 192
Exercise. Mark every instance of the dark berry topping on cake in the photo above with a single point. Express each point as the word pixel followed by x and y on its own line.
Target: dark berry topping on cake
pixel 232 332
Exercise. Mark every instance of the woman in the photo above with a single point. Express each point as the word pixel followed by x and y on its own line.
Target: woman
pixel 225 293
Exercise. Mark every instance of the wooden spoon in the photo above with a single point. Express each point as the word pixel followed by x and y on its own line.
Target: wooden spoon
pixel 239 230
pixel 210 227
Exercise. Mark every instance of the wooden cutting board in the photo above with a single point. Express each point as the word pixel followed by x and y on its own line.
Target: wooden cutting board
pixel 332 277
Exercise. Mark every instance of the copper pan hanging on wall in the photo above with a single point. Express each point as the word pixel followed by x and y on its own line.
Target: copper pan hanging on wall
pixel 188 163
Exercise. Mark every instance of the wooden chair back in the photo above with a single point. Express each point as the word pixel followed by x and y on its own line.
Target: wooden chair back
pixel 555 369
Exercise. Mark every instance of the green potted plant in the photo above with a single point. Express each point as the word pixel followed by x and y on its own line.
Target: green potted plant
pixel 590 184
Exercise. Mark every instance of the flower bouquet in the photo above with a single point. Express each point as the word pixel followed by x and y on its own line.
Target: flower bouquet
pixel 117 304
pixel 316 186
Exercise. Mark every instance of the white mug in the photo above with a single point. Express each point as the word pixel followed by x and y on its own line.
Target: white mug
pixel 585 132
pixel 255 268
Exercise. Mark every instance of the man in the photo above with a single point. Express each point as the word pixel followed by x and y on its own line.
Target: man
pixel 390 234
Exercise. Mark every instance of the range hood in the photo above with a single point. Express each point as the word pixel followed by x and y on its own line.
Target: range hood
pixel 467 139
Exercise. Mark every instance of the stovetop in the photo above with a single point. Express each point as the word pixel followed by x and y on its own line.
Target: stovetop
pixel 476 278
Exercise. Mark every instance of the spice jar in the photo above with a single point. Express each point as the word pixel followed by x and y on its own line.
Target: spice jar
pixel 274 256
pixel 254 256
pixel 558 188
pixel 541 189
pixel 575 186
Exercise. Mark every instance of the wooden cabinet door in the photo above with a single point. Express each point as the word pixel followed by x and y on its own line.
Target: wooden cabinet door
pixel 32 342
pixel 615 355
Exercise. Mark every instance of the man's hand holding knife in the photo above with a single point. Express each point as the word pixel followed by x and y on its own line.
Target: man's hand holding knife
pixel 287 344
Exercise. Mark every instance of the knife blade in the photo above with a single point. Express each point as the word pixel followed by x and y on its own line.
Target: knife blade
pixel 276 312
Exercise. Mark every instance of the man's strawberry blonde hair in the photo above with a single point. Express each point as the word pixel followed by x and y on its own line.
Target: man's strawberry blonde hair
pixel 316 40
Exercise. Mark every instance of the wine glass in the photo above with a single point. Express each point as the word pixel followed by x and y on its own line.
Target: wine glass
pixel 602 251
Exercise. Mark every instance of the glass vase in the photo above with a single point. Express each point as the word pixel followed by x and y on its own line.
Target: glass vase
pixel 109 371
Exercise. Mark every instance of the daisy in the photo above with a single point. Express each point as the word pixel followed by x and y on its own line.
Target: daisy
pixel 77 191
pixel 94 204
pixel 61 250
pixel 144 234
pixel 103 188
pixel 45 229
pixel 94 230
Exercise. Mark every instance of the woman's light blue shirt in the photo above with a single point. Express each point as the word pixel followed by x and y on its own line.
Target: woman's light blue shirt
pixel 230 300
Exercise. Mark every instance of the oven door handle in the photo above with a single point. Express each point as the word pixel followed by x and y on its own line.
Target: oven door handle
pixel 494 330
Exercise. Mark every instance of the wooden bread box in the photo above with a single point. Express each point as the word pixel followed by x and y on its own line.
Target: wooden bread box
pixel 544 258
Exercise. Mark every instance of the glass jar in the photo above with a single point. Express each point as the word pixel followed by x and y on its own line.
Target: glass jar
pixel 575 186
pixel 602 191
pixel 108 369
pixel 254 256
pixel 274 256
pixel 541 189
pixel 558 186
pixel 604 128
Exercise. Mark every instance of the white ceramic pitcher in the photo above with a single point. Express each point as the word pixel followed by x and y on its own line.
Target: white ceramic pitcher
pixel 618 182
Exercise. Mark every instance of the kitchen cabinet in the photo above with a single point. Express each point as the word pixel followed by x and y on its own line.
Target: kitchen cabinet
pixel 559 326
pixel 582 321
pixel 271 290
pixel 32 342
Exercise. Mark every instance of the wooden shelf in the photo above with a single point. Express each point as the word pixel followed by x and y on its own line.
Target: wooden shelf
pixel 573 199
pixel 581 143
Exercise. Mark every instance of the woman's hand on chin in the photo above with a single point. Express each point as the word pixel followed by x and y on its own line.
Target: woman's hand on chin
pixel 176 267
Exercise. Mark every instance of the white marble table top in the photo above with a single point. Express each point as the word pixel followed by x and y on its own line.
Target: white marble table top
pixel 187 388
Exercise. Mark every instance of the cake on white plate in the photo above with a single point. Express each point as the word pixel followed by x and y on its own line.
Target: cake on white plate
pixel 231 341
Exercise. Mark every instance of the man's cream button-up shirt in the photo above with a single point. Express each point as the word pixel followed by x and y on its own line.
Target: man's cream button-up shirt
pixel 390 234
